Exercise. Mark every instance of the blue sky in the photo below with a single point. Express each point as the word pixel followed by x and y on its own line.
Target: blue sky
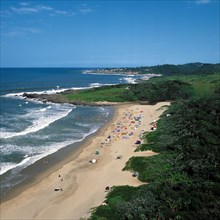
pixel 108 33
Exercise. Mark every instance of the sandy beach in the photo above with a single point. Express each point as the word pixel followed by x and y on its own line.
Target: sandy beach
pixel 73 189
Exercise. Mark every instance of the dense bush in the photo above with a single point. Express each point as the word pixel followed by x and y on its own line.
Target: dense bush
pixel 160 91
pixel 114 198
pixel 150 168
pixel 170 69
pixel 187 182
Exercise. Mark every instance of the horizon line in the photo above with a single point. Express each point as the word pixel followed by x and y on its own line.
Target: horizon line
pixel 105 66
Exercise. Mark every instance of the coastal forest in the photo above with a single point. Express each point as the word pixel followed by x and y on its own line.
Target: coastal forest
pixel 183 180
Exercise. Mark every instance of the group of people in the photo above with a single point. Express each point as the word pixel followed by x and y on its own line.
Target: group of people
pixel 130 122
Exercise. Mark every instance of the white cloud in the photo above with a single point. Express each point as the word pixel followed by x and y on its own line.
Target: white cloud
pixel 202 2
pixel 37 9
pixel 24 3
pixel 30 30
pixel 86 10
pixel 44 8
pixel 64 13
pixel 20 32
pixel 13 34
pixel 24 10
pixel 61 12
pixel 5 13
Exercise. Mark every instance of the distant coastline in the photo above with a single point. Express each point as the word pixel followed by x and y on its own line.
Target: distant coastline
pixel 165 69
pixel 120 71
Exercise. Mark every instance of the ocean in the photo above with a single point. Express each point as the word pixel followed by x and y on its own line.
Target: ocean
pixel 31 130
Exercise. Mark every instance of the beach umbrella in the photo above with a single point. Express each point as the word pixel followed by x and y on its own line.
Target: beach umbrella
pixel 93 161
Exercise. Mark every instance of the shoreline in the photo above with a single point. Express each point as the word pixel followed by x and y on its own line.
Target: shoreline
pixel 38 170
pixel 79 176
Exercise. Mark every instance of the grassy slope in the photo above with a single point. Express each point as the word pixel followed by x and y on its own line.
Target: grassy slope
pixel 203 85
pixel 110 94
pixel 200 85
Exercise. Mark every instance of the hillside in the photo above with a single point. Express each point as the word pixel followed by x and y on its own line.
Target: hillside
pixel 165 69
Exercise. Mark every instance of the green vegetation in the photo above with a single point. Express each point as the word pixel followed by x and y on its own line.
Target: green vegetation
pixel 147 91
pixel 188 69
pixel 160 91
pixel 155 166
pixel 167 69
pixel 202 85
pixel 105 93
pixel 183 179
pixel 114 198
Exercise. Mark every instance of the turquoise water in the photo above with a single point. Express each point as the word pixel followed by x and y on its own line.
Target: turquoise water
pixel 31 130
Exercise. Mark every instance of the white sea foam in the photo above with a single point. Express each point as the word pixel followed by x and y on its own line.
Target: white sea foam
pixel 102 109
pixel 84 125
pixel 44 151
pixel 6 166
pixel 95 84
pixel 104 74
pixel 19 95
pixel 43 109
pixel 39 121
pixel 129 80
pixel 52 91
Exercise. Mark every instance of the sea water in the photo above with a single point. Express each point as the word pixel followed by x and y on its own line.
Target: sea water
pixel 31 130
